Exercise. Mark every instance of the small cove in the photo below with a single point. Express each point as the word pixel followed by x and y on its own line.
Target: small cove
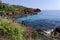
pixel 46 20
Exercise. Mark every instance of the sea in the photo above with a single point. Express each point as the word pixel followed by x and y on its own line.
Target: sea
pixel 45 20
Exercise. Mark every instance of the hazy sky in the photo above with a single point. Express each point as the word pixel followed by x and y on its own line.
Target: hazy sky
pixel 42 4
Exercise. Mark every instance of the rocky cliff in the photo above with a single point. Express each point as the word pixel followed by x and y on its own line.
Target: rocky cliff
pixel 16 10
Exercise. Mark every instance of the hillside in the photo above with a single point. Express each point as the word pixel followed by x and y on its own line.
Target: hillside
pixel 12 31
pixel 16 10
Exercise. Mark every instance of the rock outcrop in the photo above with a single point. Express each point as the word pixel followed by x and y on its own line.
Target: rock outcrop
pixel 16 10
pixel 56 33
pixel 25 12
pixel 1 13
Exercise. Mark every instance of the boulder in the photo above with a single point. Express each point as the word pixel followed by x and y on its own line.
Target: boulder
pixel 1 13
pixel 56 33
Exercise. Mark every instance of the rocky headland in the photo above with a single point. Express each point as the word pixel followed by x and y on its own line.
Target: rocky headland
pixel 16 10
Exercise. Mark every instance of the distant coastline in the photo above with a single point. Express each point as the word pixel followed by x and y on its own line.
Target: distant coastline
pixel 16 10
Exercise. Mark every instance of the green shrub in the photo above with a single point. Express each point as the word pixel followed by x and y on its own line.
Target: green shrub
pixel 13 31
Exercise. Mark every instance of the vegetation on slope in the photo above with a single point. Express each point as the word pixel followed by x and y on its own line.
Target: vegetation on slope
pixel 8 8
pixel 16 9
pixel 10 31
pixel 13 31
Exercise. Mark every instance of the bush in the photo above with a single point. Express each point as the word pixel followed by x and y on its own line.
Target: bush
pixel 13 31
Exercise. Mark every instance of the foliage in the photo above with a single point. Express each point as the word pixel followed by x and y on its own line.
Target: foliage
pixel 16 9
pixel 10 8
pixel 13 31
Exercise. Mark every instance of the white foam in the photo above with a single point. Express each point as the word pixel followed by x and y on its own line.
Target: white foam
pixel 48 33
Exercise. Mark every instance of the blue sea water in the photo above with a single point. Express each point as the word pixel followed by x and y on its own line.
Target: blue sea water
pixel 46 19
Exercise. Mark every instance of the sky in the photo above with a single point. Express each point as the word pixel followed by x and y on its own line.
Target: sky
pixel 42 4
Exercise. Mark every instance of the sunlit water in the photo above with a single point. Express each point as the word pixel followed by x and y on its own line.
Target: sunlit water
pixel 46 19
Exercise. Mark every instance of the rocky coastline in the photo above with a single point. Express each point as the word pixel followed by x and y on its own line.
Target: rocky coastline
pixel 26 11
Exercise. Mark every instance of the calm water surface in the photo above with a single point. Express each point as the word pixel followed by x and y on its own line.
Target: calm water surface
pixel 46 19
